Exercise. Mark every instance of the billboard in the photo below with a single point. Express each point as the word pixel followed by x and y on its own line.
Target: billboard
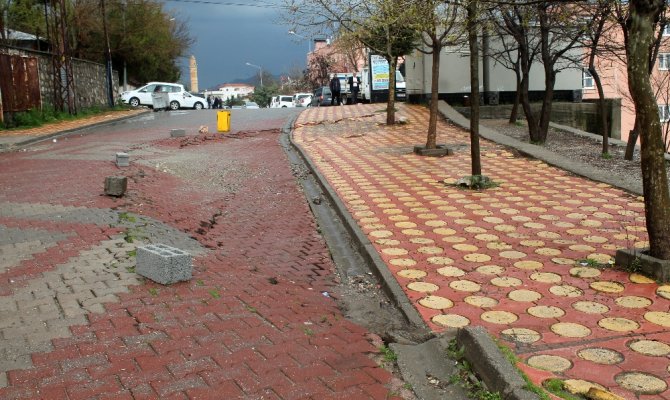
pixel 379 68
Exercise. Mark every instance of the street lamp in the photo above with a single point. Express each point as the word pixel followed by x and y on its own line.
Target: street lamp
pixel 260 71
pixel 309 43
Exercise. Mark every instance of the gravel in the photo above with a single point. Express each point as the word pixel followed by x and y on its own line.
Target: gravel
pixel 586 150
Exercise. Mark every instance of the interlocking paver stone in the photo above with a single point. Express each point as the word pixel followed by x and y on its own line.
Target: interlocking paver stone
pixel 517 254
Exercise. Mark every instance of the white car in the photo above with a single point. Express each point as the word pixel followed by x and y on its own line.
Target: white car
pixel 177 96
pixel 250 104
pixel 302 99
pixel 282 101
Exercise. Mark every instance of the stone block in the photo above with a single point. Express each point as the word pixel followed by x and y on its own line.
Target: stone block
pixel 163 264
pixel 122 160
pixel 177 132
pixel 441 151
pixel 639 260
pixel 116 185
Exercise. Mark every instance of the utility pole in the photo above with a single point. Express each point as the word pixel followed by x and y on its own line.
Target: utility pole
pixel 110 85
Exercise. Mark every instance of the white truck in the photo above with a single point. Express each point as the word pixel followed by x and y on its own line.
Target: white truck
pixel 378 80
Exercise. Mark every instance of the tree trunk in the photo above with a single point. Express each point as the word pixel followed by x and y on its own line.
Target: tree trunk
pixel 602 110
pixel 431 140
pixel 545 114
pixel 640 27
pixel 390 104
pixel 514 115
pixel 474 88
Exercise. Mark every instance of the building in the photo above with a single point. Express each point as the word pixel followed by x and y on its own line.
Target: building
pixel 231 90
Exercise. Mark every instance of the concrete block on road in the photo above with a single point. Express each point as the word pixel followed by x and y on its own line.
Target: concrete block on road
pixel 122 160
pixel 163 264
pixel 116 185
pixel 177 132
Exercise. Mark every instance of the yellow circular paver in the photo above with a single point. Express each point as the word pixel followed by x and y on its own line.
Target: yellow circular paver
pixel 607 286
pixel 524 295
pixel 430 250
pixel 490 269
pixel 570 329
pixel 440 260
pixel 405 224
pixel 451 320
pixel 563 261
pixel 481 301
pixel 444 231
pixel 423 287
pixel 580 386
pixel 436 302
pixel 512 254
pixel 548 235
pixel 498 246
pixel 402 262
pixel 477 257
pixel 465 247
pixel 658 317
pixel 381 234
pixel 451 272
pixel 421 240
pixel 546 312
pixel 617 324
pixel 633 301
pixel 601 355
pixel 393 251
pixel 546 251
pixel 412 273
pixel 566 291
pixel 584 272
pixel 454 239
pixel 499 317
pixel 549 363
pixel 546 277
pixel 465 286
pixel 387 242
pixel 641 279
pixel 486 237
pixel 506 281
pixel 640 382
pixel 652 348
pixel 590 307
pixel 532 243
pixel 521 335
pixel 528 265
pixel 664 291
pixel 413 232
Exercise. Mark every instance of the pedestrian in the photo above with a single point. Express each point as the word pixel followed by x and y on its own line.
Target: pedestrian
pixel 216 103
pixel 354 87
pixel 209 101
pixel 335 90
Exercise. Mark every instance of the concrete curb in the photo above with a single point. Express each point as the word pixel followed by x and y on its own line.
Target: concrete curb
pixel 535 151
pixel 7 147
pixel 491 366
pixel 364 246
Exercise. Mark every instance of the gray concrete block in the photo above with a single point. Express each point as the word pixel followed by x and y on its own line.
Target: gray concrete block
pixel 116 185
pixel 490 364
pixel 163 264
pixel 122 160
pixel 177 132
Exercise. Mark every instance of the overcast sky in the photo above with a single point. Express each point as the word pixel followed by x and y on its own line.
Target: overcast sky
pixel 230 33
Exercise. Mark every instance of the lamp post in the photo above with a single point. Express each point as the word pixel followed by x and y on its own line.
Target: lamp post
pixel 309 43
pixel 260 71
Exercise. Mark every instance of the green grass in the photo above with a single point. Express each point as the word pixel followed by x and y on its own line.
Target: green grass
pixel 389 355
pixel 35 118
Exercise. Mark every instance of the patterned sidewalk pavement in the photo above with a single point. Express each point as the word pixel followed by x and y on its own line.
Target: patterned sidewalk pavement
pixel 530 260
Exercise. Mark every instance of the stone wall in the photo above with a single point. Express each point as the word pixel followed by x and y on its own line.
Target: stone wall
pixel 90 89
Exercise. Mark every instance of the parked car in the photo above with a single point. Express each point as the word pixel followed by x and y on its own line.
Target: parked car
pixel 305 101
pixel 282 101
pixel 250 104
pixel 177 96
pixel 321 97
pixel 297 99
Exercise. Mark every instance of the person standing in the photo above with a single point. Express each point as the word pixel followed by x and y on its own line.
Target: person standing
pixel 354 87
pixel 335 89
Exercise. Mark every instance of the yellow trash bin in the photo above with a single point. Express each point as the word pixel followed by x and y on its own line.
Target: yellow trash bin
pixel 223 121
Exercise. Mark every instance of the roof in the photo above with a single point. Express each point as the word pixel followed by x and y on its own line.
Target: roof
pixel 11 34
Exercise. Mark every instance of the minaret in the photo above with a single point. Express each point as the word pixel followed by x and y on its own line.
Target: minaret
pixel 193 67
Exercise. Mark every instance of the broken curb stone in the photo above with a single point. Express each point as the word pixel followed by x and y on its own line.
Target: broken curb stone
pixel 163 264
pixel 116 185
pixel 177 132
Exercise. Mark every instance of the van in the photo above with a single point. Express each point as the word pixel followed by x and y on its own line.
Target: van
pixel 284 101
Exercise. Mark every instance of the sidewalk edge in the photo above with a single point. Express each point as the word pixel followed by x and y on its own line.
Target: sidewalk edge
pixel 366 248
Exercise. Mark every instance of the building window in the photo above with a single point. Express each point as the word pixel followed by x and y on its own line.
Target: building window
pixel 666 30
pixel 664 61
pixel 587 80
pixel 664 112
